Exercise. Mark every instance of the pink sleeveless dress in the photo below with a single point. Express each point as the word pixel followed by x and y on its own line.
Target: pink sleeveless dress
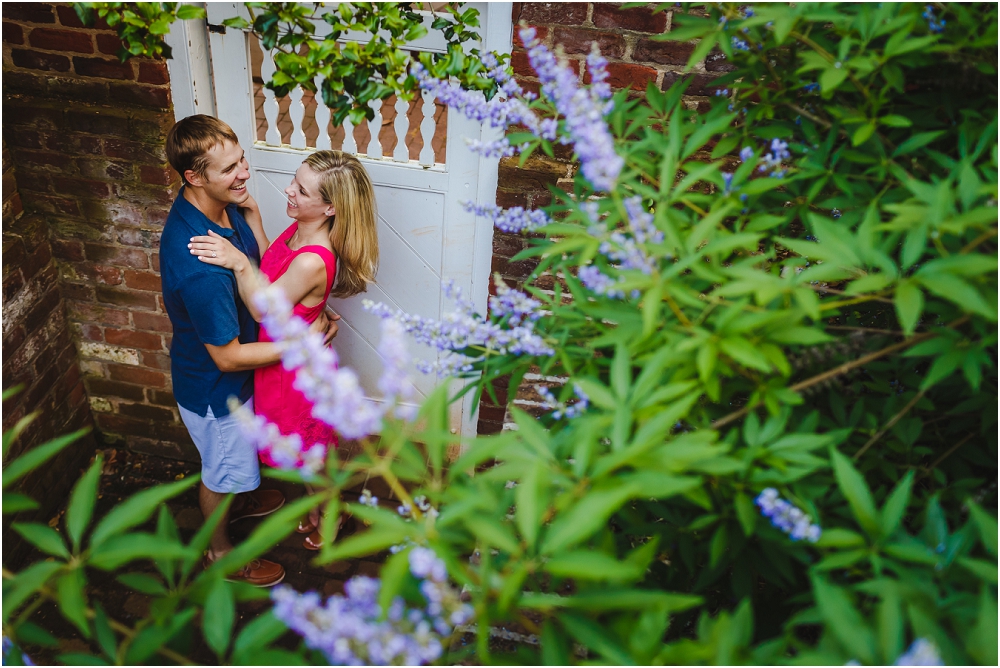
pixel 274 395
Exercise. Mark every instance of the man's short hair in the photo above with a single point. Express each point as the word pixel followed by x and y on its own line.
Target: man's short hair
pixel 190 140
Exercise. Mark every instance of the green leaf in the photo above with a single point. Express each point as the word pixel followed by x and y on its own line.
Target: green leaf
pixel 26 583
pixel 591 635
pixel 393 575
pixel 803 336
pixel 120 550
pixel 513 585
pixel 982 640
pixel 32 634
pixel 853 486
pixel 981 568
pixel 15 503
pixel 369 542
pixel 868 283
pixel 153 637
pixel 137 509
pixel 585 517
pixel 831 78
pixel 895 121
pixel 72 602
pixel 81 503
pixel 890 626
pixel 847 625
pixel 82 659
pixel 659 485
pixel 37 456
pixel 555 648
pixel 650 435
pixel 599 394
pixel 987 527
pixel 909 303
pixel 745 353
pixel 257 634
pixel 590 565
pixel 895 506
pixel 217 620
pixel 530 497
pixel 159 27
pixel 495 535
pixel 956 290
pixel 103 633
pixel 276 657
pixel 43 537
pixel 188 12
pixel 841 560
pixel 746 513
pixel 913 552
pixel 839 538
pixel 237 22
pixel 862 134
pixel 200 541
pixel 621 373
pixel 916 141
pixel 12 434
pixel 143 583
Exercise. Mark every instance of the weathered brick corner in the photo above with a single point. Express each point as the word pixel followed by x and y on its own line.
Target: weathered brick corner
pixel 86 134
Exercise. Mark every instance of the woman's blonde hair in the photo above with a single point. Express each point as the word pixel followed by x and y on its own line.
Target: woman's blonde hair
pixel 344 183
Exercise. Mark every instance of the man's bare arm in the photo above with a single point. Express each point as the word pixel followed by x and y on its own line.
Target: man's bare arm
pixel 236 356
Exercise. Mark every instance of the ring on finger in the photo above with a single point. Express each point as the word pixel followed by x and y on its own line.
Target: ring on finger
pixel 214 254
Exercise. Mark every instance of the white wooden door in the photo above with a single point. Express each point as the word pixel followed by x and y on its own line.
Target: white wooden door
pixel 425 235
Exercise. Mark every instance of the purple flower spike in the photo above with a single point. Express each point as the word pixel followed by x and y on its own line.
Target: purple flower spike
pixel 583 111
pixel 921 653
pixel 513 220
pixel 797 524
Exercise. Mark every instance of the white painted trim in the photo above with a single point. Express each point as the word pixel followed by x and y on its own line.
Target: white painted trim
pixel 190 68
pixel 499 38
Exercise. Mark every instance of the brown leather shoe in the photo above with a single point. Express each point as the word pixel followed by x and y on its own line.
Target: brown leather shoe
pixel 259 572
pixel 257 503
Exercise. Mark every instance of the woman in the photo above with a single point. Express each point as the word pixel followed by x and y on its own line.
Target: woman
pixel 331 248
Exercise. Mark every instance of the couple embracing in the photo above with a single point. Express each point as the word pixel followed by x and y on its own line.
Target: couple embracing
pixel 213 245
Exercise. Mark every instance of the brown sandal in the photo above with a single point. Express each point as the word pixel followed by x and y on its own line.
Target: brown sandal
pixel 314 541
pixel 305 526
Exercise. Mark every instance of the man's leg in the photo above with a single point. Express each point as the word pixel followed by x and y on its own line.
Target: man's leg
pixel 228 466
pixel 209 501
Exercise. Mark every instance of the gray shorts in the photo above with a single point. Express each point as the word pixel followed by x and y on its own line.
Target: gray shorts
pixel 228 461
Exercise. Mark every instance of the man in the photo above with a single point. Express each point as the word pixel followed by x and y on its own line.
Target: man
pixel 215 349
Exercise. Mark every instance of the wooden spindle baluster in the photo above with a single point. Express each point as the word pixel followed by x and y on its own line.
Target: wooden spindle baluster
pixel 402 152
pixel 427 127
pixel 297 113
pixel 350 144
pixel 374 150
pixel 272 137
pixel 322 118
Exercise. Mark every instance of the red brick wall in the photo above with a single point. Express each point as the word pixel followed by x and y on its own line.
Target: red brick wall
pixel 86 133
pixel 38 354
pixel 624 37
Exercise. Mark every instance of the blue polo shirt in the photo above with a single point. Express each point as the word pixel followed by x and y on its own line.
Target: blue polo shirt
pixel 204 306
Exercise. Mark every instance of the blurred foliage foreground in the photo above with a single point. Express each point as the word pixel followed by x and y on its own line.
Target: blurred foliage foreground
pixel 776 442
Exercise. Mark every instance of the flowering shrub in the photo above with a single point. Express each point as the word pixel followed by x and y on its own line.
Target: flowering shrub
pixel 352 630
pixel 776 318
